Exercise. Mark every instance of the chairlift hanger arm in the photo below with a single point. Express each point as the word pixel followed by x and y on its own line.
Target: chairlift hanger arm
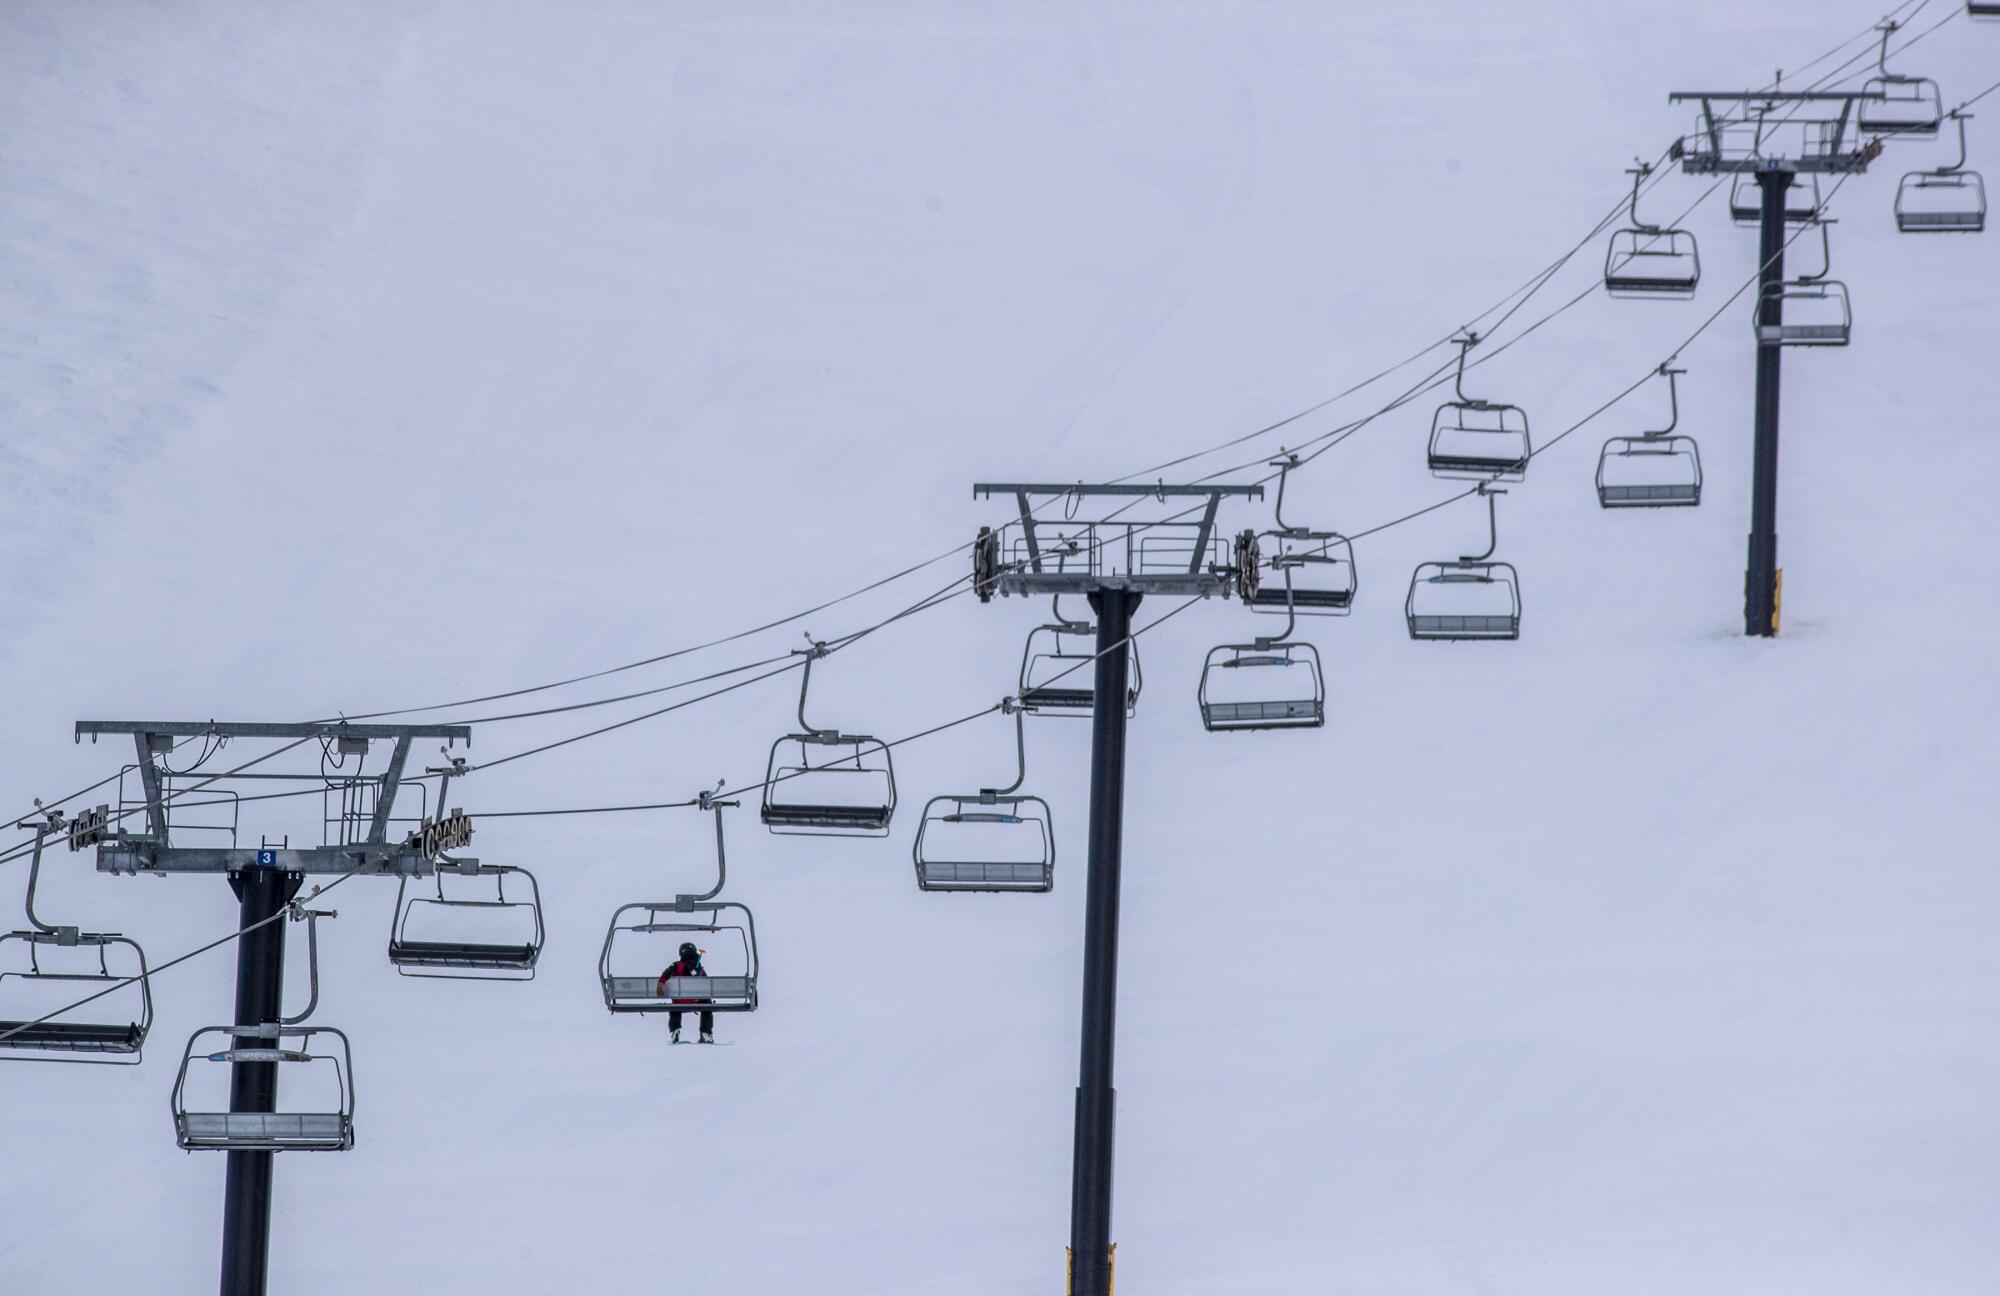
pixel 1020 713
pixel 1492 523
pixel 708 801
pixel 1670 373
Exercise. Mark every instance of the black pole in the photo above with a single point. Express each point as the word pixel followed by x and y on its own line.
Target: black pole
pixel 1760 581
pixel 1096 1100
pixel 253 1086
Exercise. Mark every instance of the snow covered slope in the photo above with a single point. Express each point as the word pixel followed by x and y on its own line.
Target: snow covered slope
pixel 364 356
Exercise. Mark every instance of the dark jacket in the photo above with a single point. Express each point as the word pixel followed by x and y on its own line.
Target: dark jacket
pixel 683 968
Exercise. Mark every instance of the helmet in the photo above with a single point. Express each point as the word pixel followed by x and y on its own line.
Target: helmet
pixel 688 952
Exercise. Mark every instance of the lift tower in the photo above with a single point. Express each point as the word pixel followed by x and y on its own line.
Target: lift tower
pixel 358 815
pixel 1741 133
pixel 1114 561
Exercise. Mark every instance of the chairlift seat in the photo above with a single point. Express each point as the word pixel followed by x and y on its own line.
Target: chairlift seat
pixel 1480 440
pixel 1262 686
pixel 1929 202
pixel 1464 600
pixel 459 954
pixel 1662 264
pixel 1649 472
pixel 1832 323
pixel 82 1037
pixel 270 1044
pixel 452 956
pixel 985 842
pixel 73 1040
pixel 1060 699
pixel 1269 598
pixel 852 793
pixel 1059 670
pixel 628 992
pixel 266 1131
pixel 1909 107
pixel 1746 197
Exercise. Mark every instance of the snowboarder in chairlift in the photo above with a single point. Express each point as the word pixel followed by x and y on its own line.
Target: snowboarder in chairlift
pixel 688 965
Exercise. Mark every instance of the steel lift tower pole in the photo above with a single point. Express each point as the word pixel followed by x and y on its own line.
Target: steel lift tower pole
pixel 1115 563
pixel 1760 577
pixel 1739 133
pixel 265 881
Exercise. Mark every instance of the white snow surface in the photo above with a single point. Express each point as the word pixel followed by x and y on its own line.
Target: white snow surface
pixel 357 356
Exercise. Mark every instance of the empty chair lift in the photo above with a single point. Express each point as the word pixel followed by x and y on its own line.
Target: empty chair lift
pixel 822 782
pixel 317 1059
pixel 996 839
pixel 1820 313
pixel 1649 260
pixel 1909 107
pixel 1058 668
pixel 1746 197
pixel 46 968
pixel 1654 469
pixel 1946 200
pixel 487 937
pixel 1470 598
pixel 301 1051
pixel 1482 439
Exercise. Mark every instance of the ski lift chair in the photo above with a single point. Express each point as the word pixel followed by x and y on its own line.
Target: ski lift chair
pixel 1946 200
pixel 1653 469
pixel 996 839
pixel 1826 316
pixel 1648 261
pixel 1318 566
pixel 326 1128
pixel 319 1055
pixel 427 938
pixel 1908 107
pixel 644 939
pixel 631 967
pixel 1471 598
pixel 1478 439
pixel 45 977
pixel 1058 669
pixel 1274 681
pixel 825 783
pixel 1746 199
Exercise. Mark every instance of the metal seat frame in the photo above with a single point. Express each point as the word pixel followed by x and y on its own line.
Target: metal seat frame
pixel 1813 288
pixel 226 1131
pixel 53 1039
pixel 863 756
pixel 467 960
pixel 644 994
pixel 1008 809
pixel 293 1131
pixel 1054 697
pixel 1802 199
pixel 1462 418
pixel 1300 550
pixel 1967 218
pixel 1661 445
pixel 1651 262
pixel 1478 569
pixel 1888 114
